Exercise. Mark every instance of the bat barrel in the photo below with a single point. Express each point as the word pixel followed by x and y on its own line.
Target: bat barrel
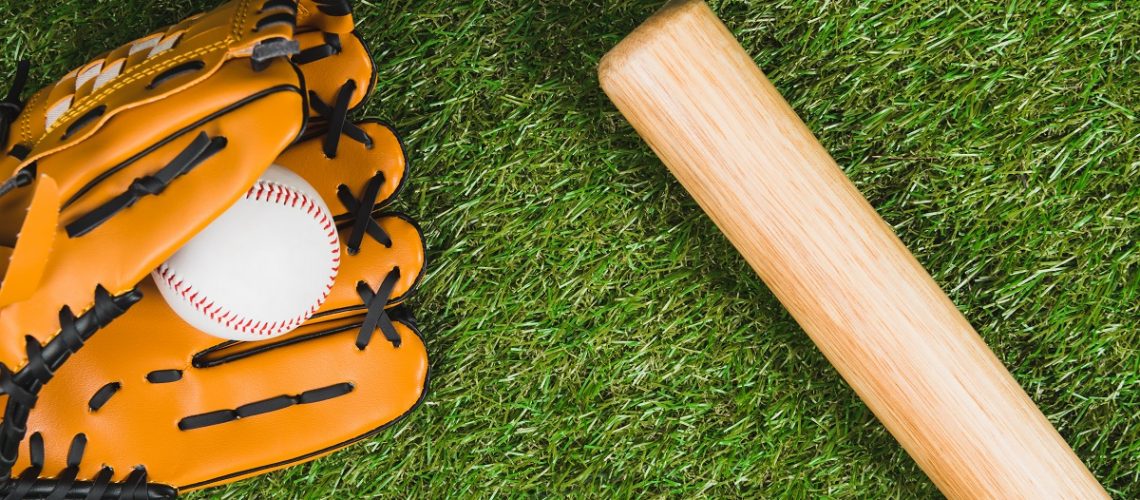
pixel 736 145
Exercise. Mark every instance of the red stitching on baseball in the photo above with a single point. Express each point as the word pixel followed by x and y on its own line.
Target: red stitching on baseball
pixel 274 193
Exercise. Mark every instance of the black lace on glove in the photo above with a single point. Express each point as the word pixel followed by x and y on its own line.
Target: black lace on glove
pixel 377 317
pixel 64 485
pixel 199 150
pixel 23 387
pixel 335 116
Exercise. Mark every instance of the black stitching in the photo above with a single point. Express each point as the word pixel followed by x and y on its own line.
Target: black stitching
pixel 100 482
pixel 29 476
pixel 20 152
pixel 174 136
pixel 164 376
pixel 334 312
pixel 377 316
pixel 285 18
pixel 136 484
pixel 23 387
pixel 84 121
pixel 63 482
pixel 336 8
pixel 333 447
pixel 402 174
pixel 264 406
pixel 279 4
pixel 336 118
pixel 36 453
pixel 189 67
pixel 75 452
pixel 64 485
pixel 204 358
pixel 200 149
pixel 103 395
pixel 361 209
pixel 324 393
pixel 207 419
pixel 331 47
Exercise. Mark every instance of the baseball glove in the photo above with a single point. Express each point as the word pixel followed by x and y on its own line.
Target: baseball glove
pixel 151 407
pixel 120 163
pixel 116 166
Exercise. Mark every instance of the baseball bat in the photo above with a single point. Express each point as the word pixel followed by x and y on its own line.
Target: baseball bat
pixel 693 93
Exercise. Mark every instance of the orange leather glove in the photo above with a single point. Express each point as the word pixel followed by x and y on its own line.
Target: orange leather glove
pixel 151 407
pixel 115 168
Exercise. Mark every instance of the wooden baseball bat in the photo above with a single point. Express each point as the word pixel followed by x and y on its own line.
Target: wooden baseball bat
pixel 711 115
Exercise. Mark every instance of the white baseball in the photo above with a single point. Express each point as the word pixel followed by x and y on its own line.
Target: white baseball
pixel 260 269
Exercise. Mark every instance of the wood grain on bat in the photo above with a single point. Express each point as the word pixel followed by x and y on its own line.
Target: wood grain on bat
pixel 725 132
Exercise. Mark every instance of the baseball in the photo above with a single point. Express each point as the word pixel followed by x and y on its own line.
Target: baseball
pixel 262 268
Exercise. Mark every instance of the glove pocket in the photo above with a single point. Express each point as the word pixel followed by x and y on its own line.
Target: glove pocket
pixel 238 409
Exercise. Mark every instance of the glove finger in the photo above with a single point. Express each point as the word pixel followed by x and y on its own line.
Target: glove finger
pixel 333 16
pixel 379 158
pixel 375 262
pixel 333 63
pixel 337 66
pixel 354 187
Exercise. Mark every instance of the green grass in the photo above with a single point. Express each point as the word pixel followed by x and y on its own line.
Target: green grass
pixel 594 335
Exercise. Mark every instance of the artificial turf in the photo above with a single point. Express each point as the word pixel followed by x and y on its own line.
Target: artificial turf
pixel 591 332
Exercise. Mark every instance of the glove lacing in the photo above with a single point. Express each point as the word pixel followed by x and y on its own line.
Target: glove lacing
pixel 135 487
pixel 331 47
pixel 336 118
pixel 202 148
pixel 377 316
pixel 22 387
pixel 376 301
pixel 22 178
pixel 334 114
pixel 336 8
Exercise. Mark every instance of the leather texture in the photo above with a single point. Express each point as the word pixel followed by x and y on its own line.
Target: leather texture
pixel 140 404
pixel 140 128
pixel 326 76
pixel 139 423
